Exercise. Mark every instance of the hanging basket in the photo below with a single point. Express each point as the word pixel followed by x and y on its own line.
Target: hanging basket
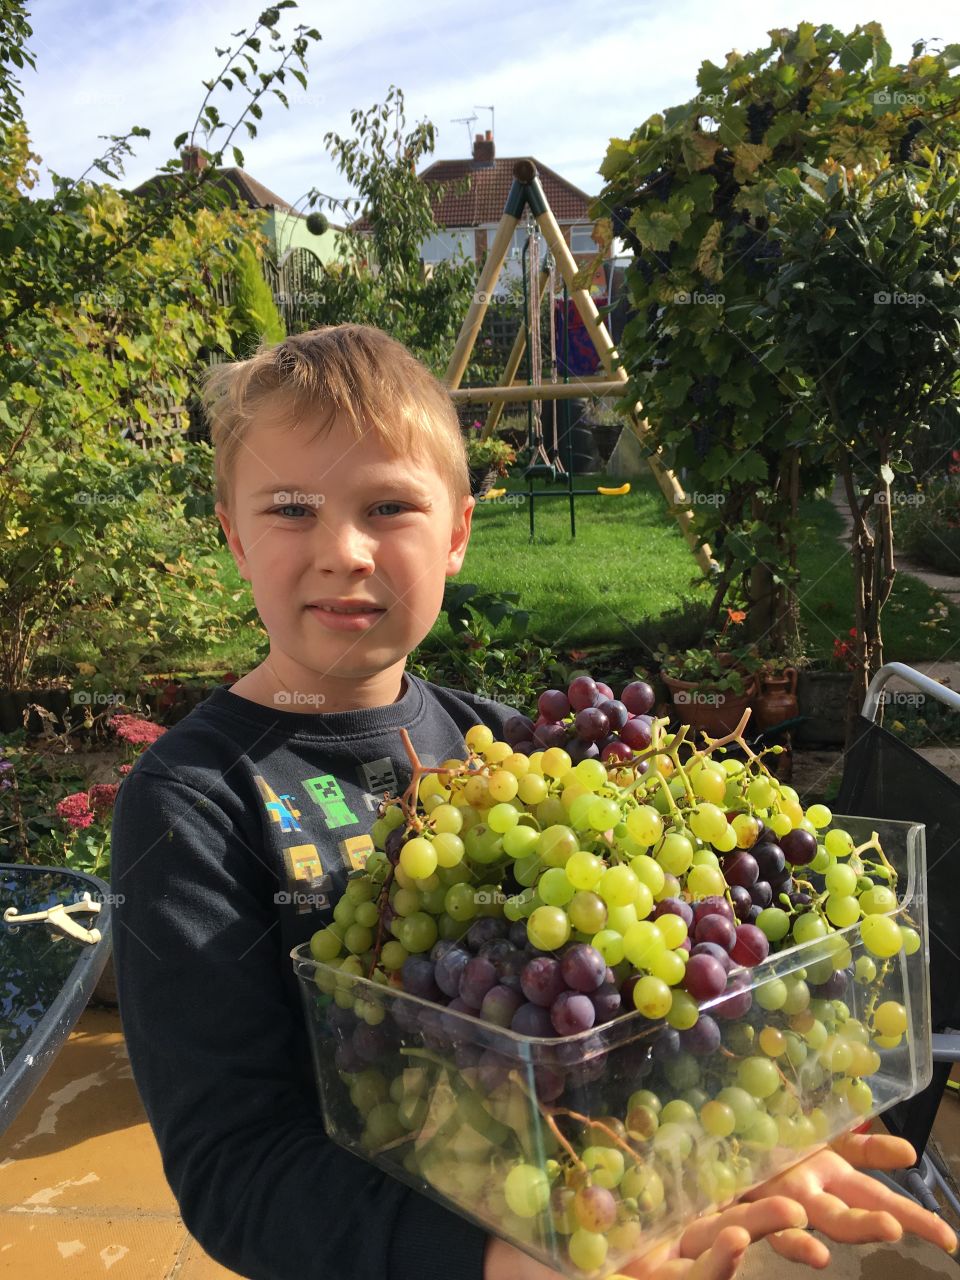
pixel 481 479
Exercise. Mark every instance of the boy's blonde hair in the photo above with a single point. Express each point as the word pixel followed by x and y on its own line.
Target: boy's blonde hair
pixel 354 369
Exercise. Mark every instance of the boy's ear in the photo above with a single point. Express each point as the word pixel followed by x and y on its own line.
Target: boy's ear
pixel 233 540
pixel 460 535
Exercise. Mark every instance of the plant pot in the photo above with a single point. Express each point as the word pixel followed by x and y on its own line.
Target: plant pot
pixel 777 699
pixel 822 696
pixel 708 709
pixel 13 703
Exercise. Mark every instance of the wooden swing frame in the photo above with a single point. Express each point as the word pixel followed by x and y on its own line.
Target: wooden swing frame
pixel 527 192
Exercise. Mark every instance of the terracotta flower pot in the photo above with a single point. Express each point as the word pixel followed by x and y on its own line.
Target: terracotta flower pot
pixel 708 709
pixel 777 699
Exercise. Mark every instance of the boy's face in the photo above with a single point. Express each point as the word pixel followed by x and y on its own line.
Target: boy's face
pixel 331 519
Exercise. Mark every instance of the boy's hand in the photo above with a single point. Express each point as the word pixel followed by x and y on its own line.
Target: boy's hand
pixel 848 1206
pixel 711 1248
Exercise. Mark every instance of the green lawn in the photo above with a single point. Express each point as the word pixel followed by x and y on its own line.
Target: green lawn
pixel 628 579
pixel 826 598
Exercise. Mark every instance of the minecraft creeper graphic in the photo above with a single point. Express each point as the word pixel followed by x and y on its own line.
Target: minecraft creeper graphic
pixel 326 792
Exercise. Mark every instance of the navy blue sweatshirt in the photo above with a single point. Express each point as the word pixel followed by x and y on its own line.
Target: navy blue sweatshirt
pixel 233 836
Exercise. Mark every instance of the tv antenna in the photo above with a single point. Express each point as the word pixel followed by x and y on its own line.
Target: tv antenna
pixel 481 107
pixel 468 121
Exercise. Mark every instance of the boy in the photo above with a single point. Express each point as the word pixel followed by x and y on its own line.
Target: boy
pixel 342 491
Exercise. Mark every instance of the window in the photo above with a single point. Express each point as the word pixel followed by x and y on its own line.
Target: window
pixel 581 240
pixel 445 244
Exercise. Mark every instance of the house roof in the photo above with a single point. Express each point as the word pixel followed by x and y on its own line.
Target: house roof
pixel 487 195
pixel 244 189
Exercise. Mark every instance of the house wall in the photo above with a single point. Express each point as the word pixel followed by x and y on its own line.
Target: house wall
pixel 288 231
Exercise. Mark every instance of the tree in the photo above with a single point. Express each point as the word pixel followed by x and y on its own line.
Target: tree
pixel 694 192
pixel 105 303
pixel 380 279
pixel 865 306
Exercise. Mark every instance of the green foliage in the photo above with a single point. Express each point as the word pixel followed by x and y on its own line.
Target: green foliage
pixel 379 279
pixel 696 192
pixel 929 526
pixel 255 314
pixel 866 309
pixel 107 303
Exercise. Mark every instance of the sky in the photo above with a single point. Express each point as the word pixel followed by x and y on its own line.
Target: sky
pixel 563 78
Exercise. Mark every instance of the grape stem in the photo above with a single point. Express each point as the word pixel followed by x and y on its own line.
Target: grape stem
pixel 382 899
pixel 548 1115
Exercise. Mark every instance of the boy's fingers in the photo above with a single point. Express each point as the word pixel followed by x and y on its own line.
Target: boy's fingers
pixel 875 1151
pixel 758 1217
pixel 868 1193
pixel 800 1246
pixel 854 1224
pixel 722 1260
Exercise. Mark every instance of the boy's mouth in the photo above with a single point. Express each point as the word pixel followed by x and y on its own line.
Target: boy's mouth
pixel 346 615
pixel 365 607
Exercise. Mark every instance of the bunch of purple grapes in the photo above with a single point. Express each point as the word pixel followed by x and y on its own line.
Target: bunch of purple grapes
pixel 588 721
pixel 493 973
pixel 759 875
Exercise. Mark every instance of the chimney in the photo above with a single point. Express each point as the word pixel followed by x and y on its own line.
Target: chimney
pixel 483 151
pixel 192 159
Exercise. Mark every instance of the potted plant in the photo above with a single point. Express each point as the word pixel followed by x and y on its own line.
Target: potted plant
pixel 822 694
pixel 777 693
pixel 486 459
pixel 710 689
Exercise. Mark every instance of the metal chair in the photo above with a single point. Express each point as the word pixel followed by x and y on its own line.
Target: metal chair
pixel 884 778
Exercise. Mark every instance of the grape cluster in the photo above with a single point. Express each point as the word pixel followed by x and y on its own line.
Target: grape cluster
pixel 759 119
pixel 564 991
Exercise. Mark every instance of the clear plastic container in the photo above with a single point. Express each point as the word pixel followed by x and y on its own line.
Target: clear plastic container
pixel 507 1129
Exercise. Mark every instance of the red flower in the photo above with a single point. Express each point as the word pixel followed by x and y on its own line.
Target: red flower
pixel 136 730
pixel 102 796
pixel 853 632
pixel 124 769
pixel 75 810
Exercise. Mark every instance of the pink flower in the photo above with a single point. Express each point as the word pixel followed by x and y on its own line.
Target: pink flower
pixel 102 796
pixel 124 769
pixel 75 810
pixel 136 730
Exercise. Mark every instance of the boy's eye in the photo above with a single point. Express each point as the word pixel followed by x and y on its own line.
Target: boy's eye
pixel 381 505
pixel 291 506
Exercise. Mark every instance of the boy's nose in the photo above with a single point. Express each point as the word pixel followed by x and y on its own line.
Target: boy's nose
pixel 341 546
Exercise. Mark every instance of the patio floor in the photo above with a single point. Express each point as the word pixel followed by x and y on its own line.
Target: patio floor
pixel 82 1188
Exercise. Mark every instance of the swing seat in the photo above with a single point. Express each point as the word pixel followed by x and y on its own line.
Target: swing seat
pixel 538 470
pixel 613 493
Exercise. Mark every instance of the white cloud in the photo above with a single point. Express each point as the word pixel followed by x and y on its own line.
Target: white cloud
pixel 561 83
